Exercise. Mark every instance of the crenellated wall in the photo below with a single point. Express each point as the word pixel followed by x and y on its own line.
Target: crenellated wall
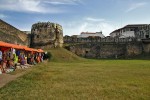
pixel 68 39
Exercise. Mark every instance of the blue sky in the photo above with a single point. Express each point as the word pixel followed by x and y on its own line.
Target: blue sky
pixel 76 16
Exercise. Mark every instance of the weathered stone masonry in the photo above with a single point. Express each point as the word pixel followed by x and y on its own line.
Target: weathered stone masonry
pixel 109 49
pixel 46 35
pixel 43 35
pixel 50 35
pixel 9 33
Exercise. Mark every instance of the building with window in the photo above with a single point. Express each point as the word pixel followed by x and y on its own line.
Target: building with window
pixel 134 31
pixel 90 34
pixel 143 32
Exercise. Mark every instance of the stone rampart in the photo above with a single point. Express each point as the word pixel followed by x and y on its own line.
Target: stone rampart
pixel 46 35
pixel 9 33
pixel 68 39
pixel 109 49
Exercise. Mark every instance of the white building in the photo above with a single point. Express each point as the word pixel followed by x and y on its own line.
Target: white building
pixel 27 32
pixel 144 32
pixel 88 34
pixel 127 31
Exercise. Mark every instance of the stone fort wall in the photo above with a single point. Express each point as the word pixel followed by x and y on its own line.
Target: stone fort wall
pixel 68 39
pixel 46 35
pixel 109 50
pixel 43 35
pixel 9 33
pixel 96 47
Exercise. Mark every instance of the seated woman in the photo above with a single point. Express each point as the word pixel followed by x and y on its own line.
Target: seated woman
pixel 22 59
pixel 10 64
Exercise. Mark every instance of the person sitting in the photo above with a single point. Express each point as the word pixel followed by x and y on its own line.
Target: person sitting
pixel 10 66
pixel 22 59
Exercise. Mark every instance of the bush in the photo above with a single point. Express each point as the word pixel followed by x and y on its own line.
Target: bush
pixel 47 56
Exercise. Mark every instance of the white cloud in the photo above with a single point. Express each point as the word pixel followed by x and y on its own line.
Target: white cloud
pixel 76 27
pixel 136 6
pixel 63 2
pixel 38 6
pixel 56 3
pixel 22 6
pixel 94 19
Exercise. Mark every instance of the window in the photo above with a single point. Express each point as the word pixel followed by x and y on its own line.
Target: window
pixel 131 29
pixel 124 30
pixel 40 30
pixel 38 36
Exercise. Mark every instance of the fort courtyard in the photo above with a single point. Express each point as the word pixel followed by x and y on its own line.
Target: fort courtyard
pixel 67 76
pixel 74 50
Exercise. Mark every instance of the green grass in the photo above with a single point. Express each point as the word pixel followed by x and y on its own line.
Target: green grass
pixel 63 55
pixel 82 80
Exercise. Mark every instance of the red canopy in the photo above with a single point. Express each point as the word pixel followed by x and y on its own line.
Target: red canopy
pixel 4 44
pixel 9 45
pixel 40 50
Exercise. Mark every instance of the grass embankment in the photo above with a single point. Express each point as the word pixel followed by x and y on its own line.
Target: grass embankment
pixel 63 55
pixel 82 80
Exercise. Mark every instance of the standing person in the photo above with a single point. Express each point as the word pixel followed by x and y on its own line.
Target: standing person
pixel 1 55
pixel 29 58
pixel 42 54
pixel 1 65
pixel 4 61
pixel 33 59
pixel 1 68
pixel 15 60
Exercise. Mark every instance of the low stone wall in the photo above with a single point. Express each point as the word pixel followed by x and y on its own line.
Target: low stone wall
pixel 107 50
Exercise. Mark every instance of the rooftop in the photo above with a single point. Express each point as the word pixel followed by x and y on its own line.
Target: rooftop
pixel 129 26
pixel 87 33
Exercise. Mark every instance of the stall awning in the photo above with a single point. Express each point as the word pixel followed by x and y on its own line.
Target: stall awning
pixel 40 50
pixel 9 45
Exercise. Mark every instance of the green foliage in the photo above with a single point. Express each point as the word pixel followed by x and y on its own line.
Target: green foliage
pixel 49 55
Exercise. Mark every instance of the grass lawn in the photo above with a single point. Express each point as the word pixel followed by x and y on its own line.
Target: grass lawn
pixel 82 80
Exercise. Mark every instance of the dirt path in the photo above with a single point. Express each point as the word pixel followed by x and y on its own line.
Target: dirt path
pixel 6 78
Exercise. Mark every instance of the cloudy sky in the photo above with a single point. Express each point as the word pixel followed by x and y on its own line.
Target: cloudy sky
pixel 76 16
